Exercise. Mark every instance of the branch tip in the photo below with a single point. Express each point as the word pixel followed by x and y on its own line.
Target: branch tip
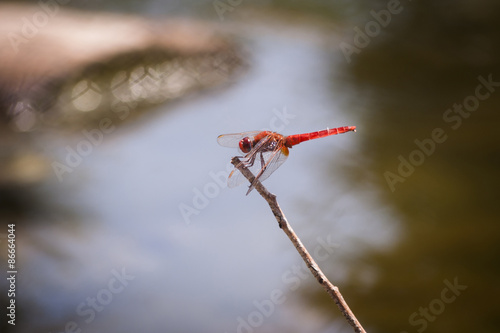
pixel 331 289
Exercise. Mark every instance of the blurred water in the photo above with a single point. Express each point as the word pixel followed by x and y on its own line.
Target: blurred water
pixel 204 272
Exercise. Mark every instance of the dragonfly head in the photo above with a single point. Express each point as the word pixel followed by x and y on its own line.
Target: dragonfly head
pixel 246 144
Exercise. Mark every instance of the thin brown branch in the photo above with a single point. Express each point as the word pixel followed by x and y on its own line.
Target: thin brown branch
pixel 332 290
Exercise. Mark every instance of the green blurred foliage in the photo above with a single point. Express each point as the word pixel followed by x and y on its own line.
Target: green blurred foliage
pixel 428 58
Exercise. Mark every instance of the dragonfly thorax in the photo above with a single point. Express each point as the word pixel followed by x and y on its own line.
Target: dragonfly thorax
pixel 246 144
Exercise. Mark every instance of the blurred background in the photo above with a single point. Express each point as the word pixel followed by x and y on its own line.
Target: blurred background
pixel 111 173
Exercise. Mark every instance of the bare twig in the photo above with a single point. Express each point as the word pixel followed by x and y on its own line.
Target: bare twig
pixel 332 290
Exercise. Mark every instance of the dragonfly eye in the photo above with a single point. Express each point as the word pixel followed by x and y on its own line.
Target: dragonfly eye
pixel 245 144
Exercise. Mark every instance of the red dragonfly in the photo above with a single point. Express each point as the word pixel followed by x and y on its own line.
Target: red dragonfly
pixel 266 151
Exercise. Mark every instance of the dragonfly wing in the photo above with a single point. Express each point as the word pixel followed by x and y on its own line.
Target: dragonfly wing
pixel 251 160
pixel 236 177
pixel 232 140
pixel 267 156
pixel 273 161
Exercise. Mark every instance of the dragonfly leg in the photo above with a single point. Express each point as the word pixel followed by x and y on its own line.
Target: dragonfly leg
pixel 241 157
pixel 250 161
pixel 262 162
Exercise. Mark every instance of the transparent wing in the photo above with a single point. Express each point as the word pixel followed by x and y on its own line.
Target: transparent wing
pixel 275 160
pixel 254 161
pixel 236 178
pixel 264 164
pixel 279 157
pixel 232 140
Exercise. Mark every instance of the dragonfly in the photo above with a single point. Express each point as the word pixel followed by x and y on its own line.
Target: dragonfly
pixel 266 151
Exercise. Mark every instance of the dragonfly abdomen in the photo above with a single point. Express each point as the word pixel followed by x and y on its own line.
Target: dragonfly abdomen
pixel 293 140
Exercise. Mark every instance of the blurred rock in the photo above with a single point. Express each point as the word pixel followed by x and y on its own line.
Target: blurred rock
pixel 70 62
